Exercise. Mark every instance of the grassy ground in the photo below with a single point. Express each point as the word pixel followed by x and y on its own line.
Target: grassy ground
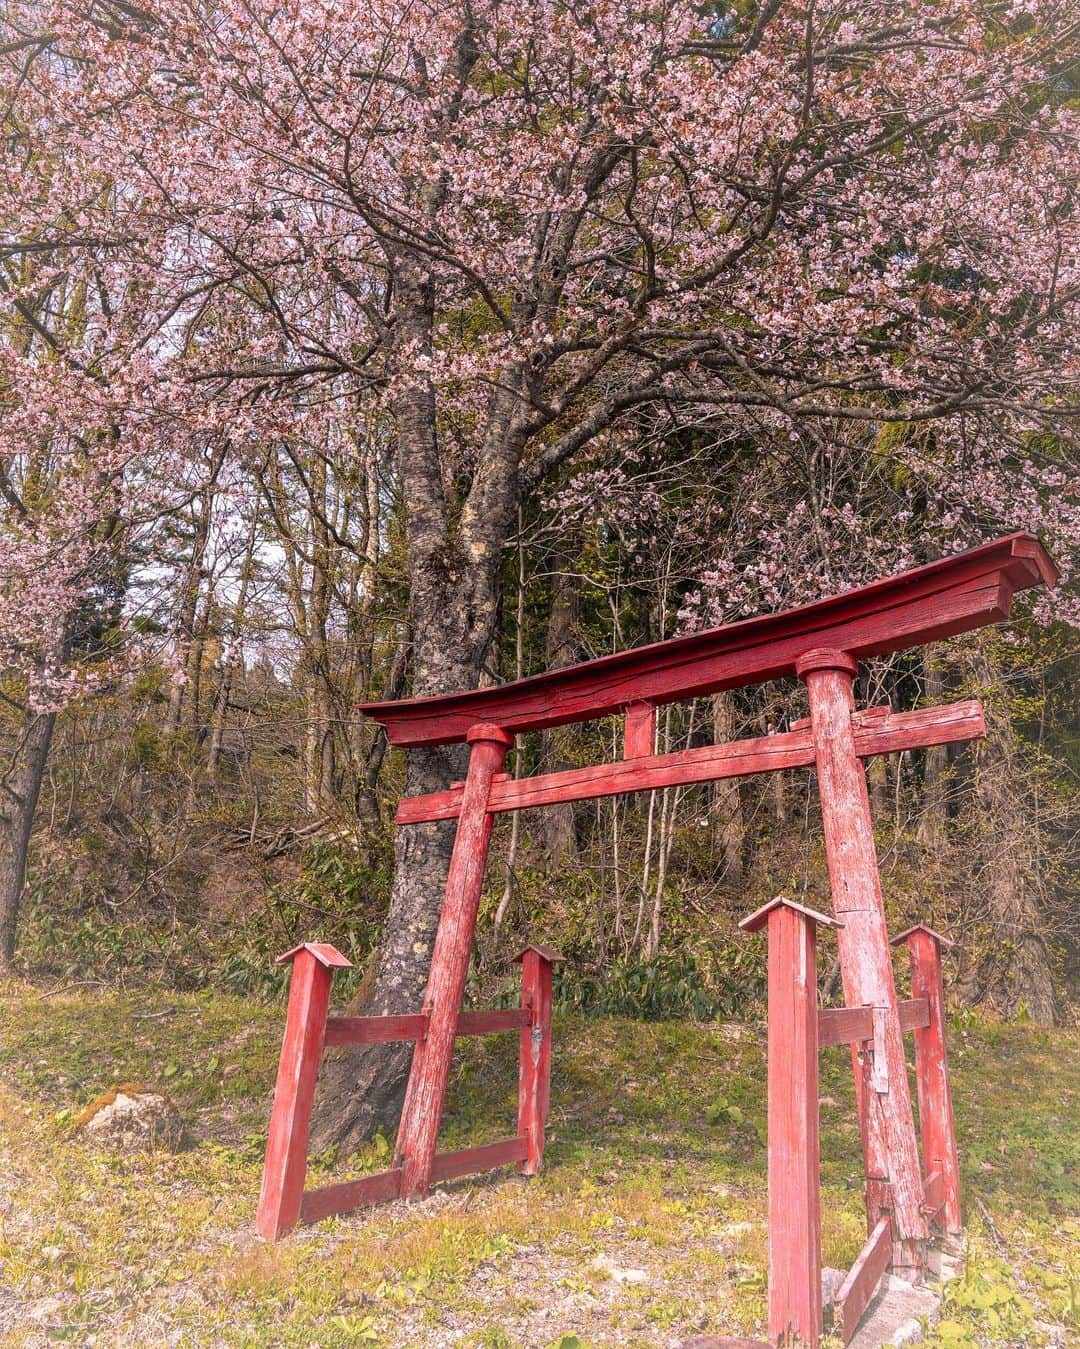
pixel 647 1225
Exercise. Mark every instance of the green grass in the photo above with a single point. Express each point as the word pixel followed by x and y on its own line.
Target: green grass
pixel 655 1163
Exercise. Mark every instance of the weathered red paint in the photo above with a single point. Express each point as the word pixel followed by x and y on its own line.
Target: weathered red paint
pixel 845 1025
pixel 932 1071
pixel 884 1100
pixel 941 599
pixel 888 734
pixel 374 1030
pixel 298 1070
pixel 534 1052
pixel 862 1279
pixel 419 1130
pixel 309 1031
pixel 349 1195
pixel 822 643
pixel 639 730
pixel 934 1188
pixel 449 1165
pixel 794 1160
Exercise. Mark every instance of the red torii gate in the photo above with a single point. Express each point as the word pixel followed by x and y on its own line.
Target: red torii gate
pixel 822 644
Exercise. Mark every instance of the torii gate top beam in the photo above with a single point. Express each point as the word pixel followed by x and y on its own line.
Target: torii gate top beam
pixel 938 600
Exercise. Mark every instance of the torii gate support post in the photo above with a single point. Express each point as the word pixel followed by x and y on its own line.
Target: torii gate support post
pixel 534 1055
pixel 419 1131
pixel 313 966
pixel 887 1122
pixel 932 1069
pixel 794 1129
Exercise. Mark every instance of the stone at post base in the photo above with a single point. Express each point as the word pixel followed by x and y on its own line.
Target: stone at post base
pixel 133 1118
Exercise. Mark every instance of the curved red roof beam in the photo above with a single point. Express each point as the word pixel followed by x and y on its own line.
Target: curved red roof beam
pixel 941 599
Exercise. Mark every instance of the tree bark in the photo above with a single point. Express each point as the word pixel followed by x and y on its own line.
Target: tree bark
pixel 727 796
pixel 453 575
pixel 19 791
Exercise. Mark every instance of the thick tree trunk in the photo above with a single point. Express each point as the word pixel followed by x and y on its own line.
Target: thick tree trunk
pixel 453 576
pixel 19 792
pixel 188 653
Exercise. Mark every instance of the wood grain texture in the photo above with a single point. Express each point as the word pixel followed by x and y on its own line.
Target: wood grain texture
pixel 939 600
pixel 794 1152
pixel 917 729
pixel 374 1030
pixel 349 1195
pixel 639 730
pixel 426 1091
pixel 285 1165
pixel 448 1165
pixel 845 1025
pixel 488 1023
pixel 863 1278
pixel 887 1123
pixel 534 1057
pixel 934 1187
pixel 932 1074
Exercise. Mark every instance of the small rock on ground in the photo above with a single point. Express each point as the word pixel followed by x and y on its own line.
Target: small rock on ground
pixel 136 1120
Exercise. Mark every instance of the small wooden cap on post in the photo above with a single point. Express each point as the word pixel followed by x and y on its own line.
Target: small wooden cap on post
pixel 921 927
pixel 323 952
pixel 760 916
pixel 547 953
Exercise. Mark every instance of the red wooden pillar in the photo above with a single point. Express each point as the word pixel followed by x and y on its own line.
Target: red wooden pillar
pixel 932 1068
pixel 313 966
pixel 886 1119
pixel 419 1130
pixel 794 1151
pixel 534 1059
pixel 639 730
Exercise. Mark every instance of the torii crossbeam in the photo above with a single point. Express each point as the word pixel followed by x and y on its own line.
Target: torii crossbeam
pixel 822 644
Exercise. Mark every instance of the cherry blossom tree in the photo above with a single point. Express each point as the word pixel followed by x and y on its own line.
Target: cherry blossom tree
pixel 511 228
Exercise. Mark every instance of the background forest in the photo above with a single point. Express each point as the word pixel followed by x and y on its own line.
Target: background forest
pixel 206 810
pixel 352 354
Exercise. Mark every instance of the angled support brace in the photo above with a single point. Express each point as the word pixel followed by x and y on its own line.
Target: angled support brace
pixel 419 1130
pixel 886 1119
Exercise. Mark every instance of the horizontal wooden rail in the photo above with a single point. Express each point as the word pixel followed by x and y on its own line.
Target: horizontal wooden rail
pixel 875 733
pixel 374 1030
pixel 378 1030
pixel 487 1023
pixel 448 1165
pixel 844 1025
pixel 864 1276
pixel 914 1013
pixel 350 1194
